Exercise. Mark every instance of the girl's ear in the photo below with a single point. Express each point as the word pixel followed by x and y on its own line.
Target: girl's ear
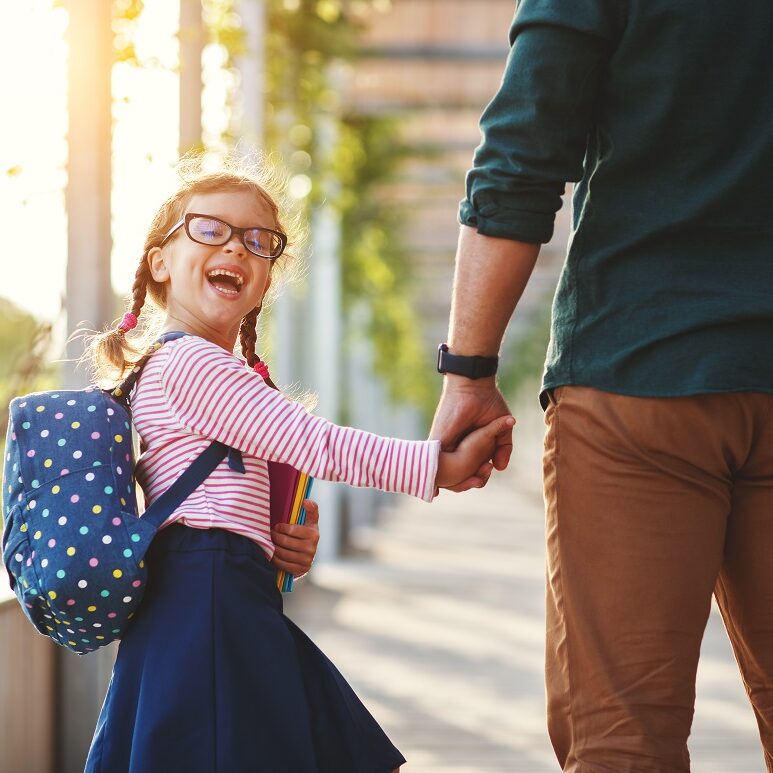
pixel 157 265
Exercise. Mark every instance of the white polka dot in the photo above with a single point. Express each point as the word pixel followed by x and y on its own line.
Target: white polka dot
pixel 107 539
pixel 77 454
pixel 82 583
pixel 63 520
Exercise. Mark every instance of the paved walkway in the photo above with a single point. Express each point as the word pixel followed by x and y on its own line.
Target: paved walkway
pixel 438 626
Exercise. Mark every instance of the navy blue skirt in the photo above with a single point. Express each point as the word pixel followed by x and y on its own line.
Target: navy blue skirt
pixel 211 676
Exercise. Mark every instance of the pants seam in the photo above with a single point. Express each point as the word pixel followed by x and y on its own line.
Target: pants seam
pixel 733 636
pixel 560 601
pixel 732 630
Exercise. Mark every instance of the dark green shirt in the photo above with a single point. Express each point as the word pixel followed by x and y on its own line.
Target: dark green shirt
pixel 662 112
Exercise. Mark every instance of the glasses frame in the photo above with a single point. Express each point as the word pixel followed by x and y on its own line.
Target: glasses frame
pixel 232 229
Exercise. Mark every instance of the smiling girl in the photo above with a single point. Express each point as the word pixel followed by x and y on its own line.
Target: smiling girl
pixel 211 676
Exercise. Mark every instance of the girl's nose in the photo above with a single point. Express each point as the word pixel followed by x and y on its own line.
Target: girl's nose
pixel 235 244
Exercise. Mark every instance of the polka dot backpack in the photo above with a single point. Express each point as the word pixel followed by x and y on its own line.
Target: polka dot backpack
pixel 73 542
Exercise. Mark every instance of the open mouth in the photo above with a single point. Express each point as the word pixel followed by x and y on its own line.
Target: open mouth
pixel 226 282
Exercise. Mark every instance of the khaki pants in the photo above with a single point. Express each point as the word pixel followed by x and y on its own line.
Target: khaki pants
pixel 652 505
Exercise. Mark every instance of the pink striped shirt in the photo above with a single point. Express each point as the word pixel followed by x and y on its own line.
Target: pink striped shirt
pixel 192 392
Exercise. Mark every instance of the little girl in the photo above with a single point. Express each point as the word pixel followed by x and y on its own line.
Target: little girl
pixel 211 676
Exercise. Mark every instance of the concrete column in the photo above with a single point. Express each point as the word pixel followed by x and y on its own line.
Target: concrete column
pixel 82 681
pixel 324 332
pixel 87 196
pixel 251 66
pixel 286 344
pixel 191 37
pixel 365 406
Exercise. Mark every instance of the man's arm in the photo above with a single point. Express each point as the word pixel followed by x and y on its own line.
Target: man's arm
pixel 490 277
pixel 535 132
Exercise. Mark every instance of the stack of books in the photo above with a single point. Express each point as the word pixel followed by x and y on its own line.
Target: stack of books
pixel 289 487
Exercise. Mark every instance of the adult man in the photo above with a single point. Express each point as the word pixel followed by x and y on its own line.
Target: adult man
pixel 658 385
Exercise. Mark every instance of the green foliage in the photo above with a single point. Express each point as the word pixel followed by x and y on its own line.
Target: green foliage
pixel 125 15
pixel 24 367
pixel 303 39
pixel 523 357
pixel 378 268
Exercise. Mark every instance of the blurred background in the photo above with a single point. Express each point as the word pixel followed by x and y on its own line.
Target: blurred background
pixel 372 107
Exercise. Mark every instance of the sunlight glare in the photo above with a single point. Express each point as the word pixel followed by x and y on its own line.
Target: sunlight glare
pixel 33 154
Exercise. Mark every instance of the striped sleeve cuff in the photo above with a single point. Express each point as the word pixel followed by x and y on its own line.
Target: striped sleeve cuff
pixel 421 462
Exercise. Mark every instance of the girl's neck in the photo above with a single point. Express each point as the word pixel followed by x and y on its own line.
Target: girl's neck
pixel 193 326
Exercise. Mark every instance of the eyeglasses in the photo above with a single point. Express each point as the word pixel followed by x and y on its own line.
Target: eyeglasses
pixel 205 229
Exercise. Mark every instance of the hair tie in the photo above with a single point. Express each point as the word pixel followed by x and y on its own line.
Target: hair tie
pixel 261 369
pixel 129 322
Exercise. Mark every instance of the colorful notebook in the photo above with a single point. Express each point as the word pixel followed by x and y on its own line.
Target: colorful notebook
pixel 289 487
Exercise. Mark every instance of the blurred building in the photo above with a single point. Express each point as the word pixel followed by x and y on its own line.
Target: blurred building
pixel 434 65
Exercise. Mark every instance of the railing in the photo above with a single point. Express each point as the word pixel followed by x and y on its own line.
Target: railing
pixel 28 680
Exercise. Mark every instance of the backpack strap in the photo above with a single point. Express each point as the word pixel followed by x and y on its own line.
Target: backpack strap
pixel 199 469
pixel 186 484
pixel 121 392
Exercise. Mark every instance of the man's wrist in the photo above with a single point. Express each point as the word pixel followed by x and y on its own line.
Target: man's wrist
pixel 452 362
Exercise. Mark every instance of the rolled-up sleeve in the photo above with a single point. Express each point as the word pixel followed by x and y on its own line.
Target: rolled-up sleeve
pixel 535 129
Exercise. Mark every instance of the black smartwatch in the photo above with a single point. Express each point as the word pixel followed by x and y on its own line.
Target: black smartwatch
pixel 459 365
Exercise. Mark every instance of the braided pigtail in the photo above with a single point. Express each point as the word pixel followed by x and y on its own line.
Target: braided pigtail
pixel 248 336
pixel 139 289
pixel 111 354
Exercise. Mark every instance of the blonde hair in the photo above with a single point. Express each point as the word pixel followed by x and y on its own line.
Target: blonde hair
pixel 114 352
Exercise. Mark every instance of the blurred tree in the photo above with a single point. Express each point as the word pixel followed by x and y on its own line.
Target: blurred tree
pixel 125 16
pixel 24 357
pixel 303 38
pixel 523 356
pixel 378 267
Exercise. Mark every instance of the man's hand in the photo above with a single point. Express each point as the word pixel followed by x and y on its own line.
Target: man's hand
pixel 466 405
pixel 296 545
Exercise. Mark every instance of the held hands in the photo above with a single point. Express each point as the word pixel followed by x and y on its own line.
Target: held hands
pixel 465 406
pixel 471 456
pixel 296 545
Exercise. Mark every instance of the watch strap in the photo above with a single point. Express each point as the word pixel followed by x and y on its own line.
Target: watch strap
pixel 471 366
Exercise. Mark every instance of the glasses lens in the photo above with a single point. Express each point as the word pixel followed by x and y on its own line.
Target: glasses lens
pixel 264 243
pixel 209 230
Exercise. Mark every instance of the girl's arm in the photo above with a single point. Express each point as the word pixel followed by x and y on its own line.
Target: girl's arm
pixel 212 394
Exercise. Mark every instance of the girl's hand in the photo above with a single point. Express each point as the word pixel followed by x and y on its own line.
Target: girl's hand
pixel 473 454
pixel 296 545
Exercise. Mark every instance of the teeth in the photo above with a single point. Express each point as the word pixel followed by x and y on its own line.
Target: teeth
pixel 222 272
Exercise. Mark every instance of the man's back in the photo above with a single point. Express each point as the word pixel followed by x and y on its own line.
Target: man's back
pixel 663 113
